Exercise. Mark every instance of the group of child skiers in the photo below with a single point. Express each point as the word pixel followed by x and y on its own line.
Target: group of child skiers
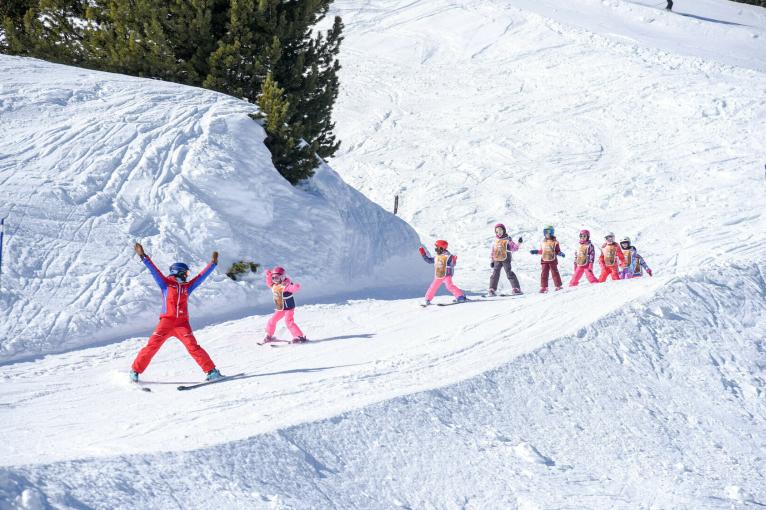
pixel 620 261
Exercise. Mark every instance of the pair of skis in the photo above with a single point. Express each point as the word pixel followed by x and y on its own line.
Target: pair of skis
pixel 484 297
pixel 184 387
pixel 280 343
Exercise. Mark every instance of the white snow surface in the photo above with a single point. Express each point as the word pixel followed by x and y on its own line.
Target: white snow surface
pixel 92 162
pixel 642 394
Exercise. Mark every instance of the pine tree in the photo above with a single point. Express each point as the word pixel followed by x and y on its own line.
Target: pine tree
pixel 293 157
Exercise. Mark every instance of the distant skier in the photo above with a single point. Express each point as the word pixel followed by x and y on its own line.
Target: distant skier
pixel 549 250
pixel 610 253
pixel 584 258
pixel 444 269
pixel 669 7
pixel 174 319
pixel 634 263
pixel 500 258
pixel 282 289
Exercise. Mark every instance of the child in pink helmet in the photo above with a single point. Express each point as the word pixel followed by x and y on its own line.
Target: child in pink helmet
pixel 584 258
pixel 284 303
pixel 500 258
pixel 444 268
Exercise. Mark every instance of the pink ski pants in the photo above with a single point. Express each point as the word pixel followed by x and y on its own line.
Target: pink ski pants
pixel 447 281
pixel 271 326
pixel 579 271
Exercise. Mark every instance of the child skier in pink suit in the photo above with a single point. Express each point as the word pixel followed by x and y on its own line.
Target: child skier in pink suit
pixel 284 303
pixel 584 258
pixel 444 268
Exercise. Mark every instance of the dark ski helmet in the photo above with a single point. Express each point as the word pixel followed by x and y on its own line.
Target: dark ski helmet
pixel 179 268
pixel 549 228
pixel 278 270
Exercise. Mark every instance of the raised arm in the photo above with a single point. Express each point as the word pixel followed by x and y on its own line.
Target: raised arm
pixel 159 278
pixel 426 256
pixel 197 280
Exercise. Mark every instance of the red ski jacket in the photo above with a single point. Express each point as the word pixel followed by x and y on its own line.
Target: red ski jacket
pixel 175 293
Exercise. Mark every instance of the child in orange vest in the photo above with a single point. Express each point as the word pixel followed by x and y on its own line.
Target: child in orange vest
pixel 584 258
pixel 444 268
pixel 610 253
pixel 283 291
pixel 549 250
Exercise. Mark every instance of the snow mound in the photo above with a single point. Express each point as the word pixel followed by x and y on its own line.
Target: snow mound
pixel 92 162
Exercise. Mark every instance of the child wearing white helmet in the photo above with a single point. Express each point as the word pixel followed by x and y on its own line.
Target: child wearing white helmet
pixel 610 255
pixel 634 263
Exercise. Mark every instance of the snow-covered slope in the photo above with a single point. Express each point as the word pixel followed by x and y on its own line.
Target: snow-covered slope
pixel 92 162
pixel 637 394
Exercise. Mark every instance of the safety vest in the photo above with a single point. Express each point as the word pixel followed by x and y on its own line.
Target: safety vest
pixel 628 257
pixel 581 259
pixel 610 252
pixel 549 250
pixel 278 291
pixel 440 265
pixel 500 250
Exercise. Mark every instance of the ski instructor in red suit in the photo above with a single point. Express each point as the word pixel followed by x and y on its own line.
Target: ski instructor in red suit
pixel 174 319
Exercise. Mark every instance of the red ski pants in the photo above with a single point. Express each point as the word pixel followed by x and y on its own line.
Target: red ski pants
pixel 579 271
pixel 179 329
pixel 553 268
pixel 606 271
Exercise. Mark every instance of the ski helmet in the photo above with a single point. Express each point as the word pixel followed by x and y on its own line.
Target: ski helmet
pixel 278 270
pixel 441 243
pixel 549 228
pixel 625 240
pixel 608 235
pixel 178 268
pixel 500 225
pixel 584 234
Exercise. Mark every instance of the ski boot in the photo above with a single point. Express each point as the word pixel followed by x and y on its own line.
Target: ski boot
pixel 460 299
pixel 134 376
pixel 300 340
pixel 491 293
pixel 559 287
pixel 214 375
pixel 543 290
pixel 516 292
pixel 268 338
pixel 426 302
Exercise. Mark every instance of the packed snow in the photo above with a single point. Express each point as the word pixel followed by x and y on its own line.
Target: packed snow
pixel 608 115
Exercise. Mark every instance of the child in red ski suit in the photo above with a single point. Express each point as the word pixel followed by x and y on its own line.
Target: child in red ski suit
pixel 174 319
pixel 282 290
pixel 444 268
pixel 500 258
pixel 610 253
pixel 549 250
pixel 584 258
